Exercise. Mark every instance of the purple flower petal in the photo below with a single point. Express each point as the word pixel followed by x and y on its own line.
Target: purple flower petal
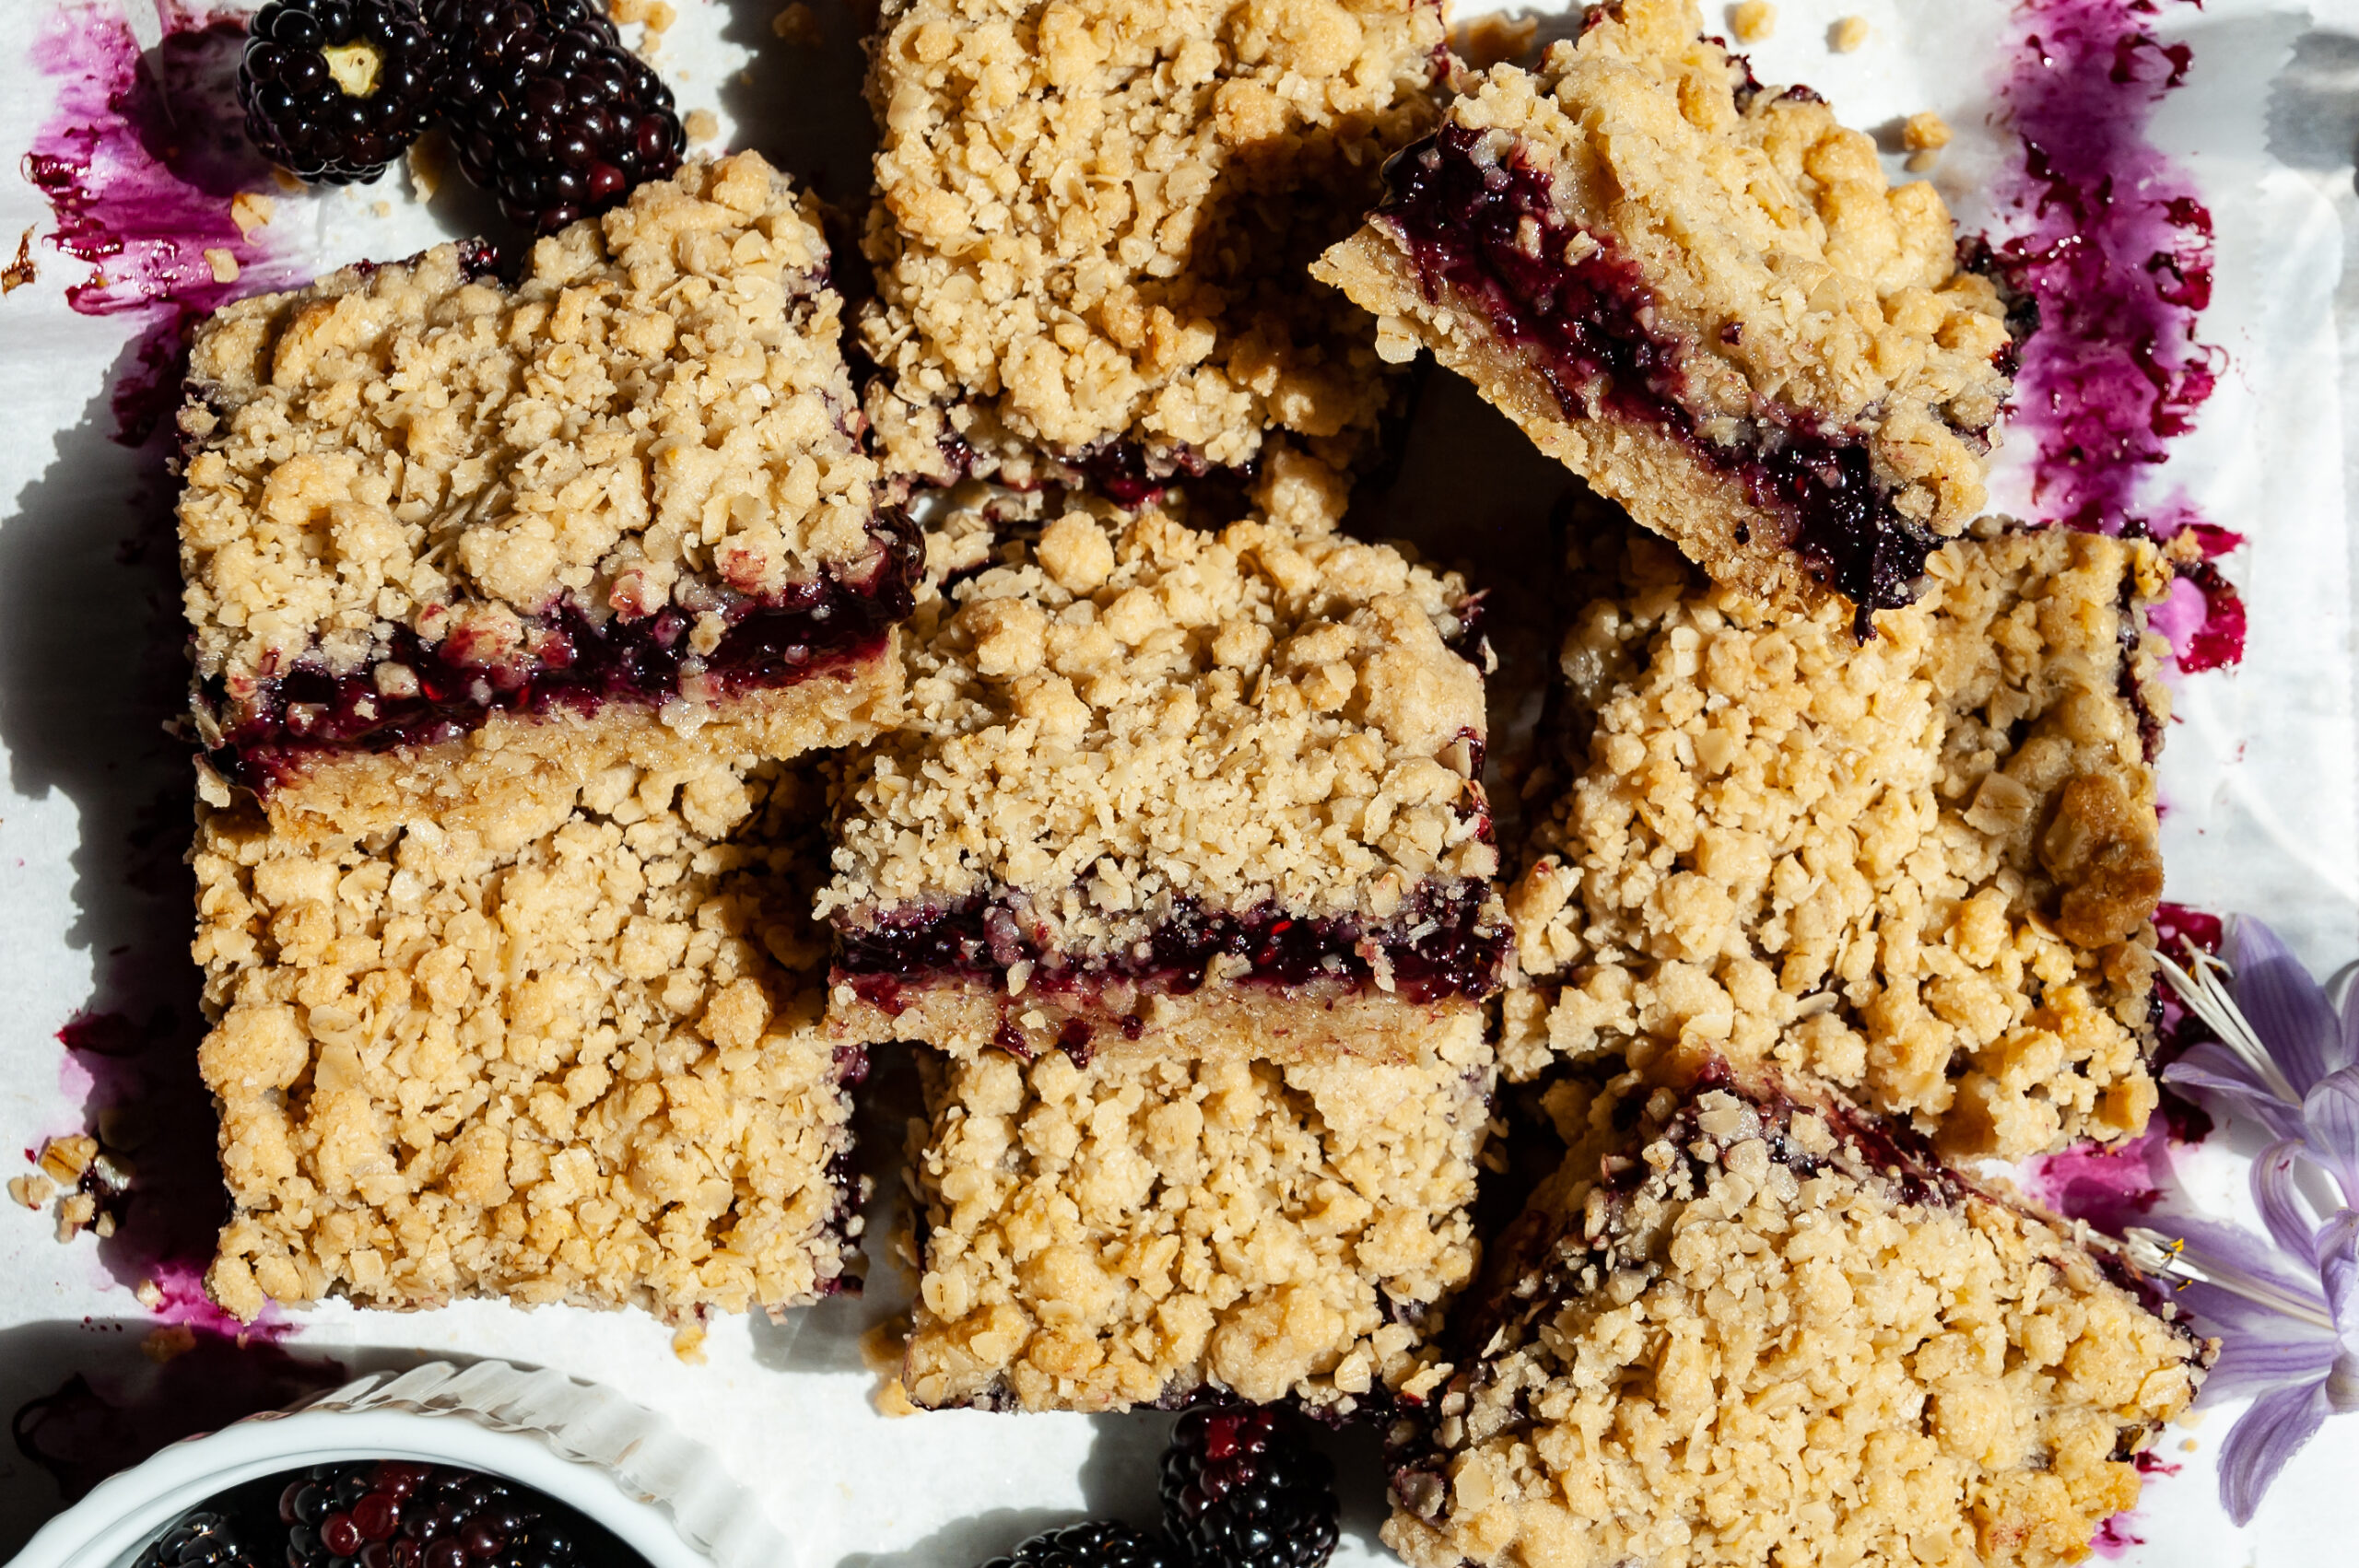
pixel 2264 1356
pixel 2330 1117
pixel 2286 1007
pixel 2337 1254
pixel 2212 1246
pixel 2282 1209
pixel 2264 1437
pixel 2212 1068
pixel 2347 1054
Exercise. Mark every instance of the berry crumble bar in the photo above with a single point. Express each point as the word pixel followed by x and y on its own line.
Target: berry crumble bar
pixel 1738 1330
pixel 1093 221
pixel 449 542
pixel 1134 1230
pixel 1703 297
pixel 581 1061
pixel 1919 869
pixel 1162 782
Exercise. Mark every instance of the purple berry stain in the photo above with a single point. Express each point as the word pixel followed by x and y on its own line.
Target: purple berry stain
pixel 2113 244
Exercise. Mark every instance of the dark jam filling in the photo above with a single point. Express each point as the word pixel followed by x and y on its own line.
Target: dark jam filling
pixel 1586 328
pixel 824 626
pixel 1440 947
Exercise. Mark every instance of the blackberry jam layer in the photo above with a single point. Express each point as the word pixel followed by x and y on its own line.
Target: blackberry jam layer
pixel 1488 230
pixel 1448 944
pixel 415 692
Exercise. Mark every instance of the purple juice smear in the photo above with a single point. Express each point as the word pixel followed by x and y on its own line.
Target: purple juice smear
pixel 2113 244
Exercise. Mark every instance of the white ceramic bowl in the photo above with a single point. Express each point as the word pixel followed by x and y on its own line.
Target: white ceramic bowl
pixel 668 1497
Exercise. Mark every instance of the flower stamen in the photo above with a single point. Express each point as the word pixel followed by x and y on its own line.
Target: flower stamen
pixel 2168 1258
pixel 2203 995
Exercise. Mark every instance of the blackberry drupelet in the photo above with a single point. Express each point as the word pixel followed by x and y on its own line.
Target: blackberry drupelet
pixel 1099 1543
pixel 204 1540
pixel 1242 1488
pixel 548 110
pixel 335 88
pixel 387 1513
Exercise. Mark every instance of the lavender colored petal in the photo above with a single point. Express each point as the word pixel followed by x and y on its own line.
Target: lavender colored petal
pixel 2331 1117
pixel 2337 1254
pixel 2212 1068
pixel 2282 1209
pixel 2261 1356
pixel 2264 1437
pixel 2347 1047
pixel 2284 1005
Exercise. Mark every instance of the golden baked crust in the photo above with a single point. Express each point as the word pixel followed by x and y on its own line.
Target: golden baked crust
pixel 572 1057
pixel 1743 1331
pixel 1126 1233
pixel 1918 868
pixel 1792 286
pixel 1093 219
pixel 408 473
pixel 1126 722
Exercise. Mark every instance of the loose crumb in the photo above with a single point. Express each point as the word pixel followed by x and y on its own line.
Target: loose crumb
pixel 19 273
pixel 1753 21
pixel 1924 134
pixel 380 209
pixel 702 124
pixel 893 1400
pixel 660 17
pixel 250 210
pixel 285 180
pixel 224 263
pixel 74 1212
pixel 798 24
pixel 687 1343
pixel 31 1191
pixel 168 1343
pixel 65 1160
pixel 150 1295
pixel 1848 35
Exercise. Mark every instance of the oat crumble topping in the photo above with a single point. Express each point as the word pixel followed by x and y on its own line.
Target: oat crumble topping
pixel 1130 1232
pixel 1743 1332
pixel 580 1062
pixel 1920 868
pixel 1094 217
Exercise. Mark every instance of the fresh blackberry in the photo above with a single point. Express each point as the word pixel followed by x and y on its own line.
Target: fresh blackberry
pixel 335 88
pixel 1100 1543
pixel 201 1540
pixel 1242 1488
pixel 548 111
pixel 387 1514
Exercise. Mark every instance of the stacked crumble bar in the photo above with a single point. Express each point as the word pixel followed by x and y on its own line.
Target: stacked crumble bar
pixel 1702 298
pixel 511 604
pixel 1744 1326
pixel 1181 863
pixel 1093 222
pixel 1919 868
pixel 1175 787
pixel 446 540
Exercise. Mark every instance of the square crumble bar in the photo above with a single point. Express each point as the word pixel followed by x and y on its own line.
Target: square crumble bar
pixel 579 1064
pixel 450 542
pixel 1169 784
pixel 1148 1226
pixel 1739 1329
pixel 1703 297
pixel 1092 221
pixel 1919 867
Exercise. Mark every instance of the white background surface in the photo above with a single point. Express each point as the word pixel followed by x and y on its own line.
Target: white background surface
pixel 2260 775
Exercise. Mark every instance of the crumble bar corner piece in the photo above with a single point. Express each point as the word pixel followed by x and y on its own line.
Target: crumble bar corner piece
pixel 451 543
pixel 579 1064
pixel 1746 1325
pixel 1703 297
pixel 1180 786
pixel 1921 870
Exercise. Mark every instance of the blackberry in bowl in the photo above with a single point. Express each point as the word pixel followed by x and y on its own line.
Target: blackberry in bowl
pixel 548 110
pixel 335 89
pixel 488 1465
